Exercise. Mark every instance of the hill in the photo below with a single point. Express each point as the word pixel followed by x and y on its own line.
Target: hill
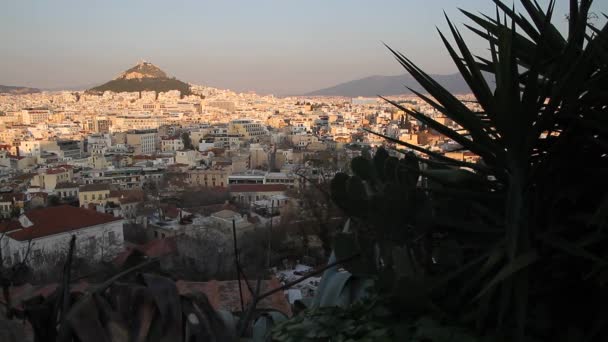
pixel 17 90
pixel 144 76
pixel 390 85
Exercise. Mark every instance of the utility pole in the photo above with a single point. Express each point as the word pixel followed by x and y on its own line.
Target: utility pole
pixel 237 264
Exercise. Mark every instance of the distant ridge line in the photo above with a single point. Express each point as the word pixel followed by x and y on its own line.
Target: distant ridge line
pixel 390 85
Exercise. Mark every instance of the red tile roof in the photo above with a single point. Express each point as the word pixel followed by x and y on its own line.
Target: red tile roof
pixel 56 171
pixel 225 294
pixel 153 248
pixel 134 195
pixel 55 220
pixel 95 187
pixel 11 196
pixel 66 185
pixel 257 187
pixel 160 247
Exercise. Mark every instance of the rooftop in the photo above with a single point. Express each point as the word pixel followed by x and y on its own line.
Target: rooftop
pixel 95 187
pixel 55 220
pixel 257 187
pixel 66 185
pixel 56 171
pixel 225 214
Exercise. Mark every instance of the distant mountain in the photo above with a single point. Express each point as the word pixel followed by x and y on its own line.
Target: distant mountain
pixel 17 90
pixel 144 76
pixel 74 87
pixel 390 85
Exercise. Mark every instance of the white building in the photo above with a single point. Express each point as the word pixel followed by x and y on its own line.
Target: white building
pixel 247 128
pixel 47 232
pixel 170 144
pixel 32 116
pixel 35 148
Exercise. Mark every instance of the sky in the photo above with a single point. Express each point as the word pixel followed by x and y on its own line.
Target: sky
pixel 269 46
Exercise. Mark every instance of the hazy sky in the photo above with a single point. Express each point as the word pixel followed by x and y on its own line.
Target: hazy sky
pixel 280 46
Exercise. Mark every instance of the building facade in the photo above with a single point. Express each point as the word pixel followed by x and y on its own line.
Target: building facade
pixel 42 234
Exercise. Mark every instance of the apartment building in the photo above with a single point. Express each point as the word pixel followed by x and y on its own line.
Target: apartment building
pixel 246 128
pixel 209 178
pixel 142 141
pixel 33 116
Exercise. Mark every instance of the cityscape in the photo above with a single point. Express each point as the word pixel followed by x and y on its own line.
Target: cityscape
pixel 130 154
pixel 453 205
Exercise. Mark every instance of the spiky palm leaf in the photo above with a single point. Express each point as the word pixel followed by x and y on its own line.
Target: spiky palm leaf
pixel 548 108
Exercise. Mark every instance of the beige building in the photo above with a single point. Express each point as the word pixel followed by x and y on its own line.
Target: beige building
pixel 143 141
pixel 66 190
pixel 32 116
pixel 48 179
pixel 16 162
pixel 246 128
pixel 171 144
pixel 258 157
pixel 97 194
pixel 6 205
pixel 409 138
pixel 209 178
pixel 34 148
pixel 302 140
pixel 188 157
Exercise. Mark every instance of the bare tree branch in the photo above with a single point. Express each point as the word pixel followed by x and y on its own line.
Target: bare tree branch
pixel 67 268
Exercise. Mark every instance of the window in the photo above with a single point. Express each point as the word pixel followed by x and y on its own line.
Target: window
pixel 155 234
pixel 85 197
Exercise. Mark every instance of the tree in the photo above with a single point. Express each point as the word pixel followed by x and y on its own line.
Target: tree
pixel 317 213
pixel 187 141
pixel 53 201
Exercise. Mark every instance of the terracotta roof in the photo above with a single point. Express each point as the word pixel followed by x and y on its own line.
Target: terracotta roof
pixel 55 220
pixel 257 187
pixel 225 294
pixel 40 194
pixel 172 211
pixel 127 196
pixel 95 187
pixel 9 197
pixel 56 171
pixel 153 248
pixel 217 151
pixel 159 247
pixel 66 185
